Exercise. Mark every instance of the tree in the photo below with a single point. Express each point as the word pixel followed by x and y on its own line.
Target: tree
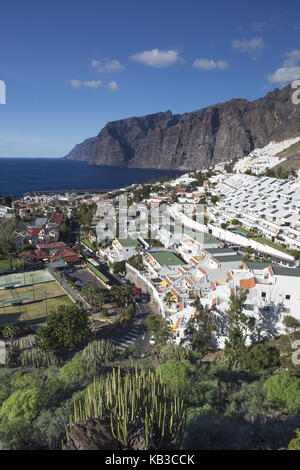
pixel 100 299
pixel 261 357
pixel 290 323
pixel 67 327
pixel 239 325
pixel 9 332
pixel 159 327
pixel 169 299
pixel 199 329
pixel 89 291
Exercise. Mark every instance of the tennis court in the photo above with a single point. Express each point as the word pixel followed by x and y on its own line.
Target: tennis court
pixel 30 302
pixel 26 278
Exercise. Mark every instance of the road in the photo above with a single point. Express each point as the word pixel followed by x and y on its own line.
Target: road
pixel 137 333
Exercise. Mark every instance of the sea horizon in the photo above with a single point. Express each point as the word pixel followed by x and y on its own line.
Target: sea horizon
pixel 57 174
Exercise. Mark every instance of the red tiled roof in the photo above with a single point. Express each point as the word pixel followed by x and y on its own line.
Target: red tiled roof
pixel 247 283
pixel 50 246
pixel 213 285
pixel 56 218
pixel 174 292
pixel 33 232
pixel 202 270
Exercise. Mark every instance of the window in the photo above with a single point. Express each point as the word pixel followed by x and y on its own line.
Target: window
pixel 263 294
pixel 249 307
pixel 288 297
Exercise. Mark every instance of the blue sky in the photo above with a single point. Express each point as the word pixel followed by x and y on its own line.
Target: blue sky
pixel 71 66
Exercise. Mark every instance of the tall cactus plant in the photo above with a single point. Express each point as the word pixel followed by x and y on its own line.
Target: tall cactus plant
pixel 135 397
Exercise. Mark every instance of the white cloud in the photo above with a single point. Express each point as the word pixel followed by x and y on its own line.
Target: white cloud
pixel 289 71
pixel 292 58
pixel 157 58
pixel 206 64
pixel 252 46
pixel 113 86
pixel 78 84
pixel 107 66
pixel 285 75
pixel 95 63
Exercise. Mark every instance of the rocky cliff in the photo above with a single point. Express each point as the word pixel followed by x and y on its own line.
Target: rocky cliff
pixel 193 140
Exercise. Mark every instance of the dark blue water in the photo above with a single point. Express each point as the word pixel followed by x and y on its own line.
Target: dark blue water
pixel 20 175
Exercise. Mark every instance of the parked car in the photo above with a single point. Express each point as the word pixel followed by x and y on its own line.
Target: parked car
pixel 152 341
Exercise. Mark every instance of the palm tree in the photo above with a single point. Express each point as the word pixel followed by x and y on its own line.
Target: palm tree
pixel 9 332
pixel 115 294
pixel 169 299
pixel 128 293
pixel 100 299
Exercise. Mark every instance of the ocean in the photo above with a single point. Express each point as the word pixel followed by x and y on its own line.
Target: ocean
pixel 20 175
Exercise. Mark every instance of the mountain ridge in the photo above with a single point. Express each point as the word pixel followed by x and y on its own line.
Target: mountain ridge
pixel 193 140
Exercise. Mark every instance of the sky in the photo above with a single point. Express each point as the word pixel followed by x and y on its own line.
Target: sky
pixel 69 67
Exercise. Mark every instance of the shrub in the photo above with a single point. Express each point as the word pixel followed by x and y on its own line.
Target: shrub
pixel 294 444
pixel 283 390
pixel 261 357
pixel 25 404
pixel 72 372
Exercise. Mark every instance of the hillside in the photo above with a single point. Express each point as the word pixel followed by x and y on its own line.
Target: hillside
pixel 195 140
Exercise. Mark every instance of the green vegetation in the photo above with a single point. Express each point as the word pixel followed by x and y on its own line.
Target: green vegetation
pixel 66 328
pixel 101 276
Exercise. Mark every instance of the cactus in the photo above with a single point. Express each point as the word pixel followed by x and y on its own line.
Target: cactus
pixel 38 358
pixel 98 351
pixel 141 397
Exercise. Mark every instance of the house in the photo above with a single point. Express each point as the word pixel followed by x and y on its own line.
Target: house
pixel 6 212
pixel 163 263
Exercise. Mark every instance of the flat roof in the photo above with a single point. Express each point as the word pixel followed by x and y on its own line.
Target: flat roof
pixel 219 251
pixel 229 259
pixel 128 241
pixel 166 258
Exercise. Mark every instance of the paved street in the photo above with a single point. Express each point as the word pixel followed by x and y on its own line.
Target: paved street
pixel 137 333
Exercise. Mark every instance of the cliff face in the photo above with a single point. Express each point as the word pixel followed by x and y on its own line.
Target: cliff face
pixel 193 140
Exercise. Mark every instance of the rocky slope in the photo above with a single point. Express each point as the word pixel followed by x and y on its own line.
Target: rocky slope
pixel 193 140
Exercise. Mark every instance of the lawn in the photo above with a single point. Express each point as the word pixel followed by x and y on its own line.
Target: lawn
pixel 42 299
pixel 262 240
